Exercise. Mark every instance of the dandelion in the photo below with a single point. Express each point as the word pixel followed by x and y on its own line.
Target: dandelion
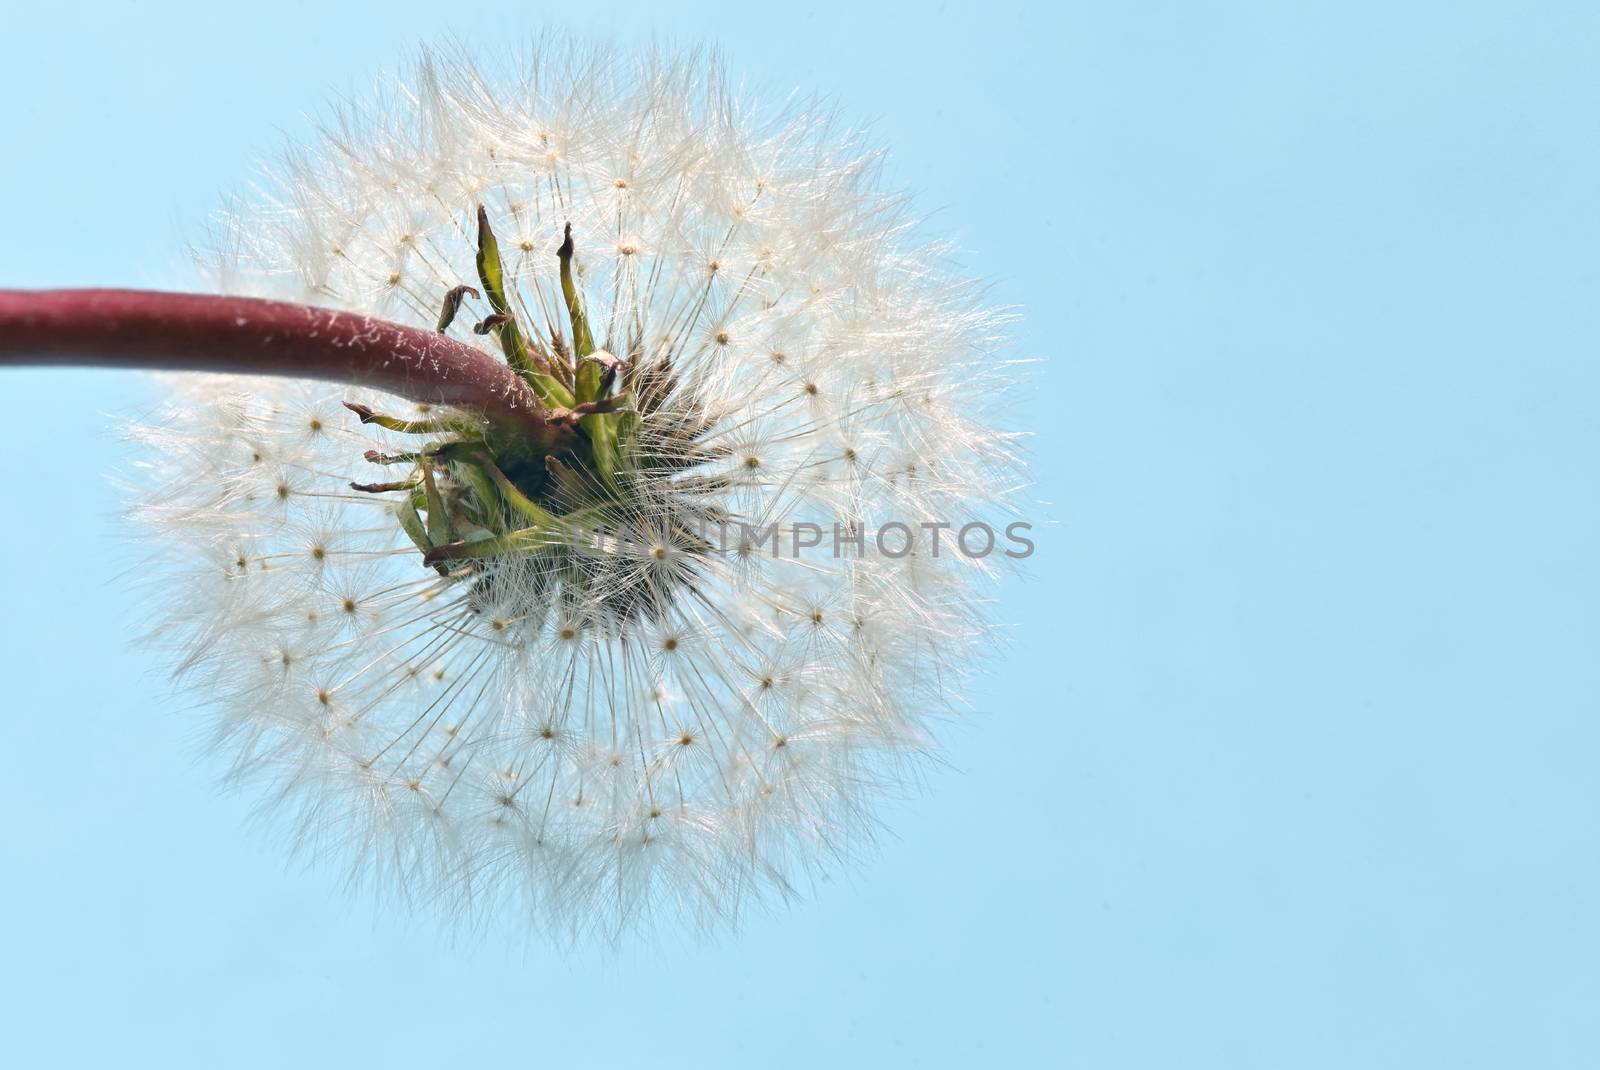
pixel 452 563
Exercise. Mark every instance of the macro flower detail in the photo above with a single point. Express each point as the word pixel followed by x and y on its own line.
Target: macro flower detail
pixel 634 656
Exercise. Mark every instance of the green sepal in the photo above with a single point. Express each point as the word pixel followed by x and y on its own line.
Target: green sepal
pixel 411 523
pixel 452 305
pixel 440 528
pixel 551 390
pixel 518 501
pixel 601 428
pixel 627 428
pixel 491 272
pixel 443 424
pixel 582 339
pixel 405 511
pixel 491 513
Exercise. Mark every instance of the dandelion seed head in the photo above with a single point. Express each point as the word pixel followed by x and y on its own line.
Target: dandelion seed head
pixel 621 725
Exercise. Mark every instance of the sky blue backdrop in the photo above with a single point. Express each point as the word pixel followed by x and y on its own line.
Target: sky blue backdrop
pixel 1293 762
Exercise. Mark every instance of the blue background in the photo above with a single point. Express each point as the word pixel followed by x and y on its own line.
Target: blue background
pixel 1292 762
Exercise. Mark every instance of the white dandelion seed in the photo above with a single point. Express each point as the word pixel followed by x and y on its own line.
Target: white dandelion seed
pixel 523 675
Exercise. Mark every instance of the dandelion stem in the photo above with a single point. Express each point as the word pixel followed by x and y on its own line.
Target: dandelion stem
pixel 248 336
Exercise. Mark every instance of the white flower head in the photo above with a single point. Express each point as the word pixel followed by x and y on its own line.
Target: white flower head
pixel 655 663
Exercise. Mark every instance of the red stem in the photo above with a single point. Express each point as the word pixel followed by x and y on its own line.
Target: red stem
pixel 249 336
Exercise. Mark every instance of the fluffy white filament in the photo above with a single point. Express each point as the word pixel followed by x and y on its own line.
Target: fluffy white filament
pixel 527 752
